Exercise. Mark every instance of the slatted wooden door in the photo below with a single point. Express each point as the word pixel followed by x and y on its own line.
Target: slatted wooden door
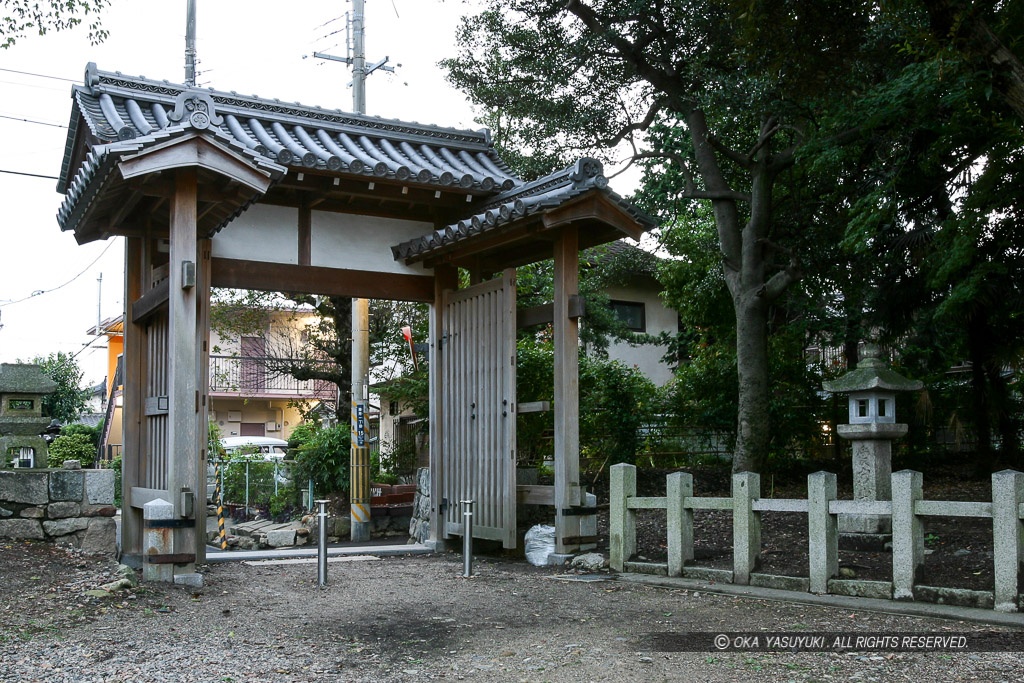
pixel 479 412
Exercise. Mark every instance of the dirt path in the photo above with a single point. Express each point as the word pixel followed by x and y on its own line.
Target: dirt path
pixel 413 618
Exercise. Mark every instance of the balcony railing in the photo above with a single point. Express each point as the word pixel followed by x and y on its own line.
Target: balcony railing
pixel 253 376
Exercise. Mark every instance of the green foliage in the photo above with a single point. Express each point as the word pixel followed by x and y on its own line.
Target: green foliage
pixel 325 459
pixel 115 465
pixel 69 400
pixel 94 433
pixel 396 461
pixel 21 18
pixel 71 447
pixel 302 434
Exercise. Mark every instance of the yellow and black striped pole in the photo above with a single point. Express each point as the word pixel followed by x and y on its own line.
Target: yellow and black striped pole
pixel 220 512
pixel 359 472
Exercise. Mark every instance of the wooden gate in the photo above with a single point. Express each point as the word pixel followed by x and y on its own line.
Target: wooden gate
pixel 479 414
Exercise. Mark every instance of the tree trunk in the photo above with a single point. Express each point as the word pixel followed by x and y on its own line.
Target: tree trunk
pixel 753 429
pixel 977 341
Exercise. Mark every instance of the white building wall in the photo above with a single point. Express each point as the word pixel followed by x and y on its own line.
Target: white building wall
pixel 659 318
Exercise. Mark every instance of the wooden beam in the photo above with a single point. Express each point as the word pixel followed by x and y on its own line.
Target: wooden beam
pixel 150 302
pixel 594 206
pixel 287 277
pixel 204 248
pixel 445 278
pixel 566 397
pixel 535 495
pixel 131 415
pixel 134 197
pixel 545 313
pixel 182 392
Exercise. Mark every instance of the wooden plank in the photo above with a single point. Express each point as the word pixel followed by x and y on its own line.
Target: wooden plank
pixel 444 278
pixel 533 494
pixel 594 207
pixel 566 396
pixel 534 407
pixel 139 496
pixel 288 277
pixel 131 415
pixel 545 313
pixel 647 503
pixel 506 359
pixel 147 304
pixel 779 505
pixel 203 272
pixel 182 353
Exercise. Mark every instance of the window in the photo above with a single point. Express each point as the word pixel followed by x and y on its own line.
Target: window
pixel 20 404
pixel 862 407
pixel 631 313
pixel 393 407
pixel 882 407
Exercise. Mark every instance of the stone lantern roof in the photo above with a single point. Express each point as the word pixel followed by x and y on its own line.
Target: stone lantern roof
pixel 872 374
pixel 18 378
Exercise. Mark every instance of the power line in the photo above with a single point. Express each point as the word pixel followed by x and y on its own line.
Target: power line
pixel 41 123
pixel 29 73
pixel 31 175
pixel 40 292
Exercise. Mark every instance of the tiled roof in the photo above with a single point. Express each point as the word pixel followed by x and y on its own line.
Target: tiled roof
pixel 116 107
pixel 535 197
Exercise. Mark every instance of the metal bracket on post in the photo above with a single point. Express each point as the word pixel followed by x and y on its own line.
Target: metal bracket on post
pixel 467 539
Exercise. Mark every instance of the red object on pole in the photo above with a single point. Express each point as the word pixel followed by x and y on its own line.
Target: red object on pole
pixel 407 333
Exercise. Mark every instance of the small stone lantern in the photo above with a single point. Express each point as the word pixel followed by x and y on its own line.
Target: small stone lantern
pixel 872 428
pixel 22 388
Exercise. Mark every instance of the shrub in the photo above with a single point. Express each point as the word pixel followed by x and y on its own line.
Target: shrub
pixel 325 460
pixel 115 465
pixel 94 433
pixel 71 447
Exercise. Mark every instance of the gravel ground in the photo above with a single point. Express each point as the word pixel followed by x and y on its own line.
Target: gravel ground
pixel 410 618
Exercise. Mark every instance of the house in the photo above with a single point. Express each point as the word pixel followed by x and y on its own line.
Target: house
pixel 248 397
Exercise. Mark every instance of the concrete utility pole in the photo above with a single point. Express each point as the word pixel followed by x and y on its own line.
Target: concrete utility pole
pixel 190 45
pixel 359 464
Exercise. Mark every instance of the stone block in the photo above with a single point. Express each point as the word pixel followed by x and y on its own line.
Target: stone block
pixel 746 526
pixel 23 487
pixel 1007 538
pixel 157 541
pixel 99 487
pixel 20 528
pixel 64 509
pixel 907 533
pixel 823 539
pixel 678 487
pixel 100 538
pixel 98 511
pixel 340 526
pixel 33 513
pixel 71 465
pixel 590 562
pixel 621 520
pixel 63 527
pixel 4 512
pixel 67 485
pixel 279 538
pixel 193 580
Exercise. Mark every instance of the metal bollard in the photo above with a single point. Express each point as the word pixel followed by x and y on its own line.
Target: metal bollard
pixel 321 554
pixel 467 539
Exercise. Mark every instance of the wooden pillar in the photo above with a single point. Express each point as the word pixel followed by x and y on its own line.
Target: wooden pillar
pixel 183 397
pixel 567 402
pixel 133 397
pixel 203 274
pixel 445 277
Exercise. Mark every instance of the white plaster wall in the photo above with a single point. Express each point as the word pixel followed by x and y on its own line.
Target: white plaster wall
pixel 345 240
pixel 262 233
pixel 659 319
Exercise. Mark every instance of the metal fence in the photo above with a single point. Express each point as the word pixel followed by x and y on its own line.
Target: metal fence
pixel 251 484
pixel 256 375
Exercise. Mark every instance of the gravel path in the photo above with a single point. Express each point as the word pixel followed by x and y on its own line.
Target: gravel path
pixel 411 618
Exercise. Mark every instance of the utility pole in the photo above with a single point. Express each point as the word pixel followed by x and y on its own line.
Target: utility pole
pixel 190 45
pixel 99 304
pixel 359 463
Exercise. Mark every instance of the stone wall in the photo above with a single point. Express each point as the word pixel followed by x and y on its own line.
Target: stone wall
pixel 419 525
pixel 72 507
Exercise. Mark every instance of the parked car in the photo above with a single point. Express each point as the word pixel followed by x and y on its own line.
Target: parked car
pixel 271 449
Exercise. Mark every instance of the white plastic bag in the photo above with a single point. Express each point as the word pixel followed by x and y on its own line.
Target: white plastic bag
pixel 540 543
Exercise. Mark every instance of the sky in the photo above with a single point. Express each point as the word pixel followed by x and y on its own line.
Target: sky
pixel 250 46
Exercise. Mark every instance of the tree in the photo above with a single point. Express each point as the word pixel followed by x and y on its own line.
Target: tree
pixel 22 17
pixel 69 401
pixel 739 89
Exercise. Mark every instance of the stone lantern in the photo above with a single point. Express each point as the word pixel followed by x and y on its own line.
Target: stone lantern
pixel 872 428
pixel 22 388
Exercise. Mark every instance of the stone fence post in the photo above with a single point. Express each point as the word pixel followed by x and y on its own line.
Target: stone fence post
pixel 746 526
pixel 1007 538
pixel 678 487
pixel 621 520
pixel 907 533
pixel 822 532
pixel 157 541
